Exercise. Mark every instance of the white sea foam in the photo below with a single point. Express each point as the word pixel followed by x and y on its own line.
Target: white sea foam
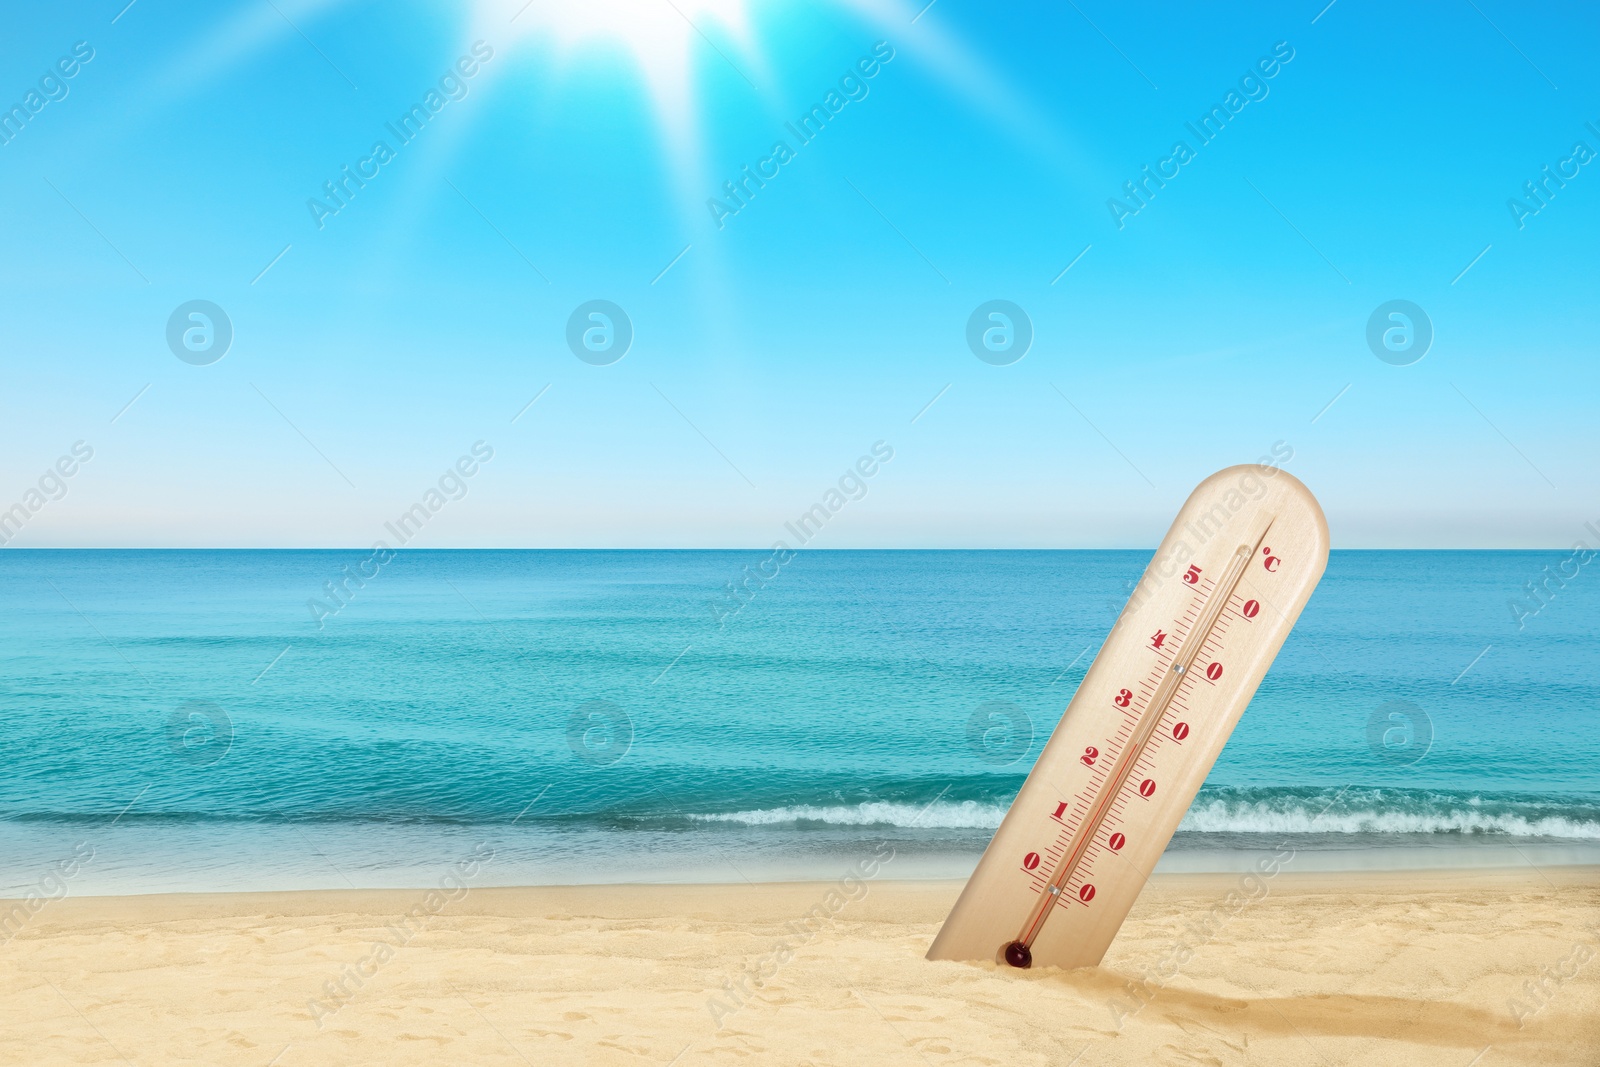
pixel 1275 816
pixel 1220 816
pixel 946 815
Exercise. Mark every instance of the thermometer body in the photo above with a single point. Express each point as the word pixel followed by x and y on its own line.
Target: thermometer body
pixel 1145 726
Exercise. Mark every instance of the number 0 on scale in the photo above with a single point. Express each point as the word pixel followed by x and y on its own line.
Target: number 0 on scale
pixel 1145 725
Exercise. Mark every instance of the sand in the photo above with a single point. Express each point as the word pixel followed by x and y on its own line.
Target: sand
pixel 1301 969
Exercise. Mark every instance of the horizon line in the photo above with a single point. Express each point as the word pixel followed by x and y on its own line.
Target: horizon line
pixel 707 548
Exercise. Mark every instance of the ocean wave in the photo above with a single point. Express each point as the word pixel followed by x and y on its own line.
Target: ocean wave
pixel 939 815
pixel 1388 811
pixel 976 808
pixel 1264 810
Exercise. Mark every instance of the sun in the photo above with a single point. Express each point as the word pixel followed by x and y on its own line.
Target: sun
pixel 666 39
pixel 653 29
pixel 671 43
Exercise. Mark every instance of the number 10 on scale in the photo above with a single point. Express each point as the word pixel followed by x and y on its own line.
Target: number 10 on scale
pixel 1145 725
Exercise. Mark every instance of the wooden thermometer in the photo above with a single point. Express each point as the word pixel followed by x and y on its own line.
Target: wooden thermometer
pixel 1145 725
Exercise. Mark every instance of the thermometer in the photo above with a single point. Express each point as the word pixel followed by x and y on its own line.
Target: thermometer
pixel 1145 725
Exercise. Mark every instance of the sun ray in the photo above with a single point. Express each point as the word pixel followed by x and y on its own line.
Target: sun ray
pixel 671 43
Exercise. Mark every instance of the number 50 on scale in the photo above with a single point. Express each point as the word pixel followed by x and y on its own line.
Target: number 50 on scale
pixel 1145 725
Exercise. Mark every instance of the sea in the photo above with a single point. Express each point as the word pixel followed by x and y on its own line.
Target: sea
pixel 206 721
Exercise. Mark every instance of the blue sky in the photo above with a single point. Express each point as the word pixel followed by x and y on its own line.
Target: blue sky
pixel 370 353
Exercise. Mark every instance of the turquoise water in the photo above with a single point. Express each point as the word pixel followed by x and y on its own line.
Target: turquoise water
pixel 193 720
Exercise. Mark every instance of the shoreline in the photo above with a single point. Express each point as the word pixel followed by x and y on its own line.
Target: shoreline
pixel 1347 968
pixel 1377 880
pixel 138 862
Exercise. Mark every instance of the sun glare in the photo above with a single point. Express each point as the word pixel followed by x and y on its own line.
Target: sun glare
pixel 667 39
pixel 672 43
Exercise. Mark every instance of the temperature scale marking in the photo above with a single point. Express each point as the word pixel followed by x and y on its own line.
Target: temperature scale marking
pixel 1145 725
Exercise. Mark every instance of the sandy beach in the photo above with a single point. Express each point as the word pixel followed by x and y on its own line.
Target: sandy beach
pixel 1209 969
